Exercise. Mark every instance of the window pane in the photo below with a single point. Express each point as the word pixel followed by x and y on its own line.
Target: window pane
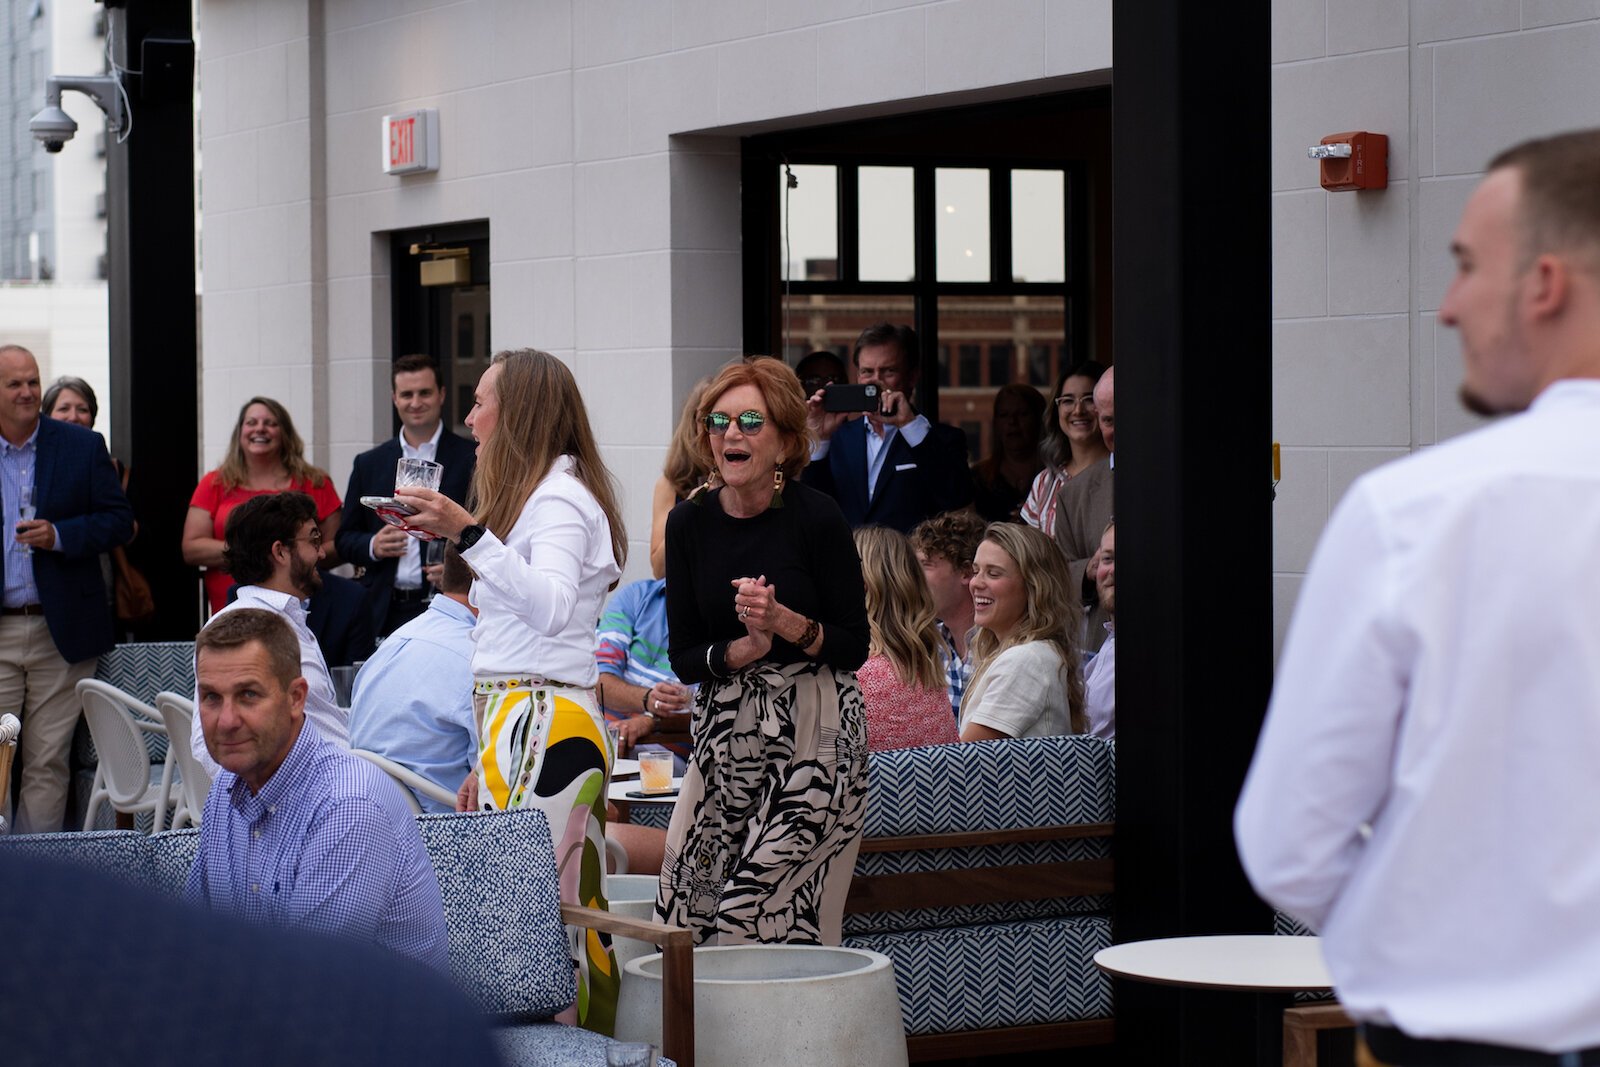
pixel 816 322
pixel 961 213
pixel 810 214
pixel 886 227
pixel 985 335
pixel 1038 226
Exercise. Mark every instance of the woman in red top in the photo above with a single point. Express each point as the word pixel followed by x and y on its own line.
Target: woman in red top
pixel 265 455
pixel 903 681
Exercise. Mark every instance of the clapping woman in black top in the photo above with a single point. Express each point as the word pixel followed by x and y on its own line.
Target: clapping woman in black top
pixel 767 613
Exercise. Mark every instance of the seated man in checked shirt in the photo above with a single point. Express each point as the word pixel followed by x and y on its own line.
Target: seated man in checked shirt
pixel 297 831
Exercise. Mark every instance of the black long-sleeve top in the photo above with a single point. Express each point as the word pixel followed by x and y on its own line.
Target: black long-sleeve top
pixel 807 554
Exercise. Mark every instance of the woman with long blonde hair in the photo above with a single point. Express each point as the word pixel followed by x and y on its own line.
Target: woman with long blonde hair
pixel 903 683
pixel 265 455
pixel 1027 680
pixel 681 474
pixel 545 544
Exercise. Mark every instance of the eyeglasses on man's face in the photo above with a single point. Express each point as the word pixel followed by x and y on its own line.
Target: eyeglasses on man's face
pixel 750 423
pixel 314 538
pixel 819 381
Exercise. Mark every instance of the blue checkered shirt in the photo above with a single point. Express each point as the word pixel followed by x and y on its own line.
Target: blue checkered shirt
pixel 957 671
pixel 328 844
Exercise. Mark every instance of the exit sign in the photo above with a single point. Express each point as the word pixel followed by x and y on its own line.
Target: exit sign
pixel 411 141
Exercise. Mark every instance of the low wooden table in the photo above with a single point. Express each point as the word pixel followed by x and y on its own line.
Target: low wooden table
pixel 1243 963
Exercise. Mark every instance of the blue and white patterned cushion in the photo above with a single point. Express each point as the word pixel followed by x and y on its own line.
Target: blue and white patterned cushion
pixel 655 815
pixel 1286 925
pixel 171 855
pixel 554 1045
pixel 1003 974
pixel 502 906
pixel 990 785
pixel 122 854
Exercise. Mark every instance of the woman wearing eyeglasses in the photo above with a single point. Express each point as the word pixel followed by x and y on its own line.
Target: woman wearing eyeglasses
pixel 1071 443
pixel 545 546
pixel 767 612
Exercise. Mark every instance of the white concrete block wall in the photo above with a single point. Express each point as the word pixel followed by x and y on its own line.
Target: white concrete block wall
pixel 1362 370
pixel 600 140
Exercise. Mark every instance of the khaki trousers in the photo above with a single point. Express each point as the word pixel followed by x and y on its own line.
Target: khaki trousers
pixel 40 687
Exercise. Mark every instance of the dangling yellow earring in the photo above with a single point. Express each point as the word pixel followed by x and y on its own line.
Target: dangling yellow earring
pixel 777 484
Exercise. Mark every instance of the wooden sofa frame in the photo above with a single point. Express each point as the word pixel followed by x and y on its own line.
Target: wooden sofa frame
pixel 989 885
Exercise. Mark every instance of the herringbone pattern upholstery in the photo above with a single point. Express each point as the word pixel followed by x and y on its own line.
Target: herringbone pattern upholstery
pixel 976 786
pixel 1001 974
pixel 989 785
pixel 1286 925
pixel 656 815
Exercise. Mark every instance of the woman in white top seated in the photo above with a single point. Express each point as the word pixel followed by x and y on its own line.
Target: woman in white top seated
pixel 545 546
pixel 1026 678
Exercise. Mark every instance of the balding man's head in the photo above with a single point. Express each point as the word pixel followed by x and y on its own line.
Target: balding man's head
pixel 19 393
pixel 1103 396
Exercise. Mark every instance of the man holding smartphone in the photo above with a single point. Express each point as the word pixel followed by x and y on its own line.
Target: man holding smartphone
pixel 892 468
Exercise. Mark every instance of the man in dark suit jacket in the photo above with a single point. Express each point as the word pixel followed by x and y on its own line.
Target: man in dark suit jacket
pixel 392 559
pixel 892 468
pixel 55 621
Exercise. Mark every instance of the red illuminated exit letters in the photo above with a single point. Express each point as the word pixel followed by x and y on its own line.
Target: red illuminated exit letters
pixel 411 142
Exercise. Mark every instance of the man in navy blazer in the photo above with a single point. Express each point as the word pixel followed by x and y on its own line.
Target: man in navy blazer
pixel 892 468
pixel 55 621
pixel 392 559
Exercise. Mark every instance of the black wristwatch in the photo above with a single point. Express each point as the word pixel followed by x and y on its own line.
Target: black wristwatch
pixel 469 537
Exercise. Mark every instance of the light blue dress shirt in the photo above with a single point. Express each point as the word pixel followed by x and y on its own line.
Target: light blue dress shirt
pixel 327 845
pixel 413 698
pixel 17 467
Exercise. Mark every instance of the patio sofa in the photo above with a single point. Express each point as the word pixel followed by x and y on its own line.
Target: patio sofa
pixel 508 947
pixel 985 875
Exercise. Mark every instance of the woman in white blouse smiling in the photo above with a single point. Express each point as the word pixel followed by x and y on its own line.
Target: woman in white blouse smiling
pixel 545 546
pixel 1026 678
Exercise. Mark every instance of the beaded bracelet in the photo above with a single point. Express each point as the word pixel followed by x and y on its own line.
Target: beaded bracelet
pixel 813 627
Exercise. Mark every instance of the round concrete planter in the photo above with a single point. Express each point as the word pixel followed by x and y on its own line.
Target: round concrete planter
pixel 776 1005
pixel 633 895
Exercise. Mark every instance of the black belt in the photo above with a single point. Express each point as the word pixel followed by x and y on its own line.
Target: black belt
pixel 406 596
pixel 1391 1046
pixel 26 609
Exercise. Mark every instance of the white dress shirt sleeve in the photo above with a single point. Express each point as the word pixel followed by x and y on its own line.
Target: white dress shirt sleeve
pixel 1322 768
pixel 541 588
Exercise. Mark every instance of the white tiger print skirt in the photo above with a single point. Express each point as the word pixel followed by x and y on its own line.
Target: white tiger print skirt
pixel 764 836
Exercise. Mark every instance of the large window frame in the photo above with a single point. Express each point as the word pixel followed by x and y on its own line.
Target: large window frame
pixel 916 142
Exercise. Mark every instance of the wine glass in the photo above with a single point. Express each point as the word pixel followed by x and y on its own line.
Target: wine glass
pixel 432 553
pixel 25 511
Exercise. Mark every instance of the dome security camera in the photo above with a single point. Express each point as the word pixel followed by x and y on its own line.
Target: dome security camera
pixel 53 128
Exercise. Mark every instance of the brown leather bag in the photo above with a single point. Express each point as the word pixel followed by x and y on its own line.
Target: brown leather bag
pixel 134 600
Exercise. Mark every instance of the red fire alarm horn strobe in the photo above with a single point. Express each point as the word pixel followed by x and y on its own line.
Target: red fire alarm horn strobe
pixel 1353 161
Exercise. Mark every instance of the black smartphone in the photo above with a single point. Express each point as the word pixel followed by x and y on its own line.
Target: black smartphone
pixel 850 398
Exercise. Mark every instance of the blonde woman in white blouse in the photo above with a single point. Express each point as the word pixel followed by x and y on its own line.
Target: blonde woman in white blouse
pixel 545 545
pixel 1026 679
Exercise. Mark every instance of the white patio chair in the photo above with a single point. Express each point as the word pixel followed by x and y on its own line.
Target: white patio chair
pixel 125 778
pixel 408 779
pixel 194 782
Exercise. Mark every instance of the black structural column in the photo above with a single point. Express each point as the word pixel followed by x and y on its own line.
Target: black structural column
pixel 150 242
pixel 1192 324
